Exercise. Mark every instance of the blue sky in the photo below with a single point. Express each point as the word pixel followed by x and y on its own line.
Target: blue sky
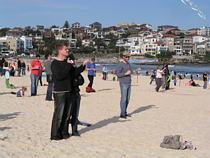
pixel 108 12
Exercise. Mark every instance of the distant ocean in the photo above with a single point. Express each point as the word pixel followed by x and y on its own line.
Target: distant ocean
pixel 188 69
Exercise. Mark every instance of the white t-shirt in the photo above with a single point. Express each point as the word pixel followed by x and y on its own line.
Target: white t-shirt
pixel 159 73
pixel 7 75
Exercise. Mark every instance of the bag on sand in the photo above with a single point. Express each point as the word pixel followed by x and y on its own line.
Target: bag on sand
pixel 171 142
pixel 176 142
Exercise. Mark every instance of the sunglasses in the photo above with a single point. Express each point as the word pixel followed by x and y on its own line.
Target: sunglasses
pixel 126 56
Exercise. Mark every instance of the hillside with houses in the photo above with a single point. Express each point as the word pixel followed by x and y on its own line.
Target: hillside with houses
pixel 140 40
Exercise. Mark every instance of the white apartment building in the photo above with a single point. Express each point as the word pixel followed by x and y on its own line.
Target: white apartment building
pixel 135 50
pixel 199 39
pixel 27 41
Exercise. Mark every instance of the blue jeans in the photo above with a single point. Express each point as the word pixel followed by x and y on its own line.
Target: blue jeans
pixel 49 91
pixel 34 84
pixel 125 97
pixel 205 84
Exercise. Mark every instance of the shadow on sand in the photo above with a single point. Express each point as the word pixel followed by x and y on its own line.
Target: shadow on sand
pixel 4 117
pixel 114 119
pixel 5 128
pixel 107 89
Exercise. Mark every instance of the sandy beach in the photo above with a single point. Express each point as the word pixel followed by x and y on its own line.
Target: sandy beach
pixel 25 122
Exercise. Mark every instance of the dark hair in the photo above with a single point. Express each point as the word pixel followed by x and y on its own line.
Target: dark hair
pixel 47 55
pixel 37 56
pixel 93 59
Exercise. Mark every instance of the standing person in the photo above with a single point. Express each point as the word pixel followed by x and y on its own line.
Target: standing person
pixel 35 69
pixel 91 68
pixel 61 73
pixel 205 81
pixel 78 80
pixel 104 72
pixel 19 66
pixel 175 78
pixel 40 75
pixel 167 77
pixel 23 67
pixel 1 66
pixel 153 76
pixel 123 73
pixel 48 71
pixel 159 77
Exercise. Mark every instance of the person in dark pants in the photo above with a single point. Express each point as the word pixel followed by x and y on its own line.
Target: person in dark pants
pixel 91 68
pixel 205 81
pixel 153 76
pixel 23 67
pixel 78 80
pixel 159 77
pixel 19 67
pixel 62 74
pixel 167 77
pixel 47 68
pixel 2 61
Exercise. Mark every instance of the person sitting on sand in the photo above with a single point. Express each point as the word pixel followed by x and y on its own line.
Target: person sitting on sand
pixel 192 83
pixel 20 92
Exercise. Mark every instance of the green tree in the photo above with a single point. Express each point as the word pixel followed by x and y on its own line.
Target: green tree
pixel 165 56
pixel 66 24
pixel 207 56
pixel 3 31
pixel 79 43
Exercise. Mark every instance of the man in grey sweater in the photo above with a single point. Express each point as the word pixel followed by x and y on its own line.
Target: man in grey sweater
pixel 123 73
pixel 47 65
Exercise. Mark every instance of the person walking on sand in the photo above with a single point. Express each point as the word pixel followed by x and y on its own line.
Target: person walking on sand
pixel 159 77
pixel 123 72
pixel 91 68
pixel 35 69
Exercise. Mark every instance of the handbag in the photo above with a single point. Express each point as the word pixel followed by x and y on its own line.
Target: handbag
pixel 79 80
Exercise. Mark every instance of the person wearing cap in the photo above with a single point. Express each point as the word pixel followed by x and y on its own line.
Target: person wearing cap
pixel 123 72
pixel 36 67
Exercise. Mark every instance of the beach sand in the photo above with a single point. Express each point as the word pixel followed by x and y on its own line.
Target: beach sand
pixel 25 122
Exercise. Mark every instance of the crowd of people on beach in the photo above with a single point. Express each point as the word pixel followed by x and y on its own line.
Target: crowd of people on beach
pixel 63 77
pixel 163 77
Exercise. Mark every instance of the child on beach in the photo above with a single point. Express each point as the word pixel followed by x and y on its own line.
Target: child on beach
pixel 7 76
pixel 20 92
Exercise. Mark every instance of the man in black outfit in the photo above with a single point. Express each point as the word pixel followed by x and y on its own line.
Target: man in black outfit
pixel 62 74
pixel 19 67
pixel 78 80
